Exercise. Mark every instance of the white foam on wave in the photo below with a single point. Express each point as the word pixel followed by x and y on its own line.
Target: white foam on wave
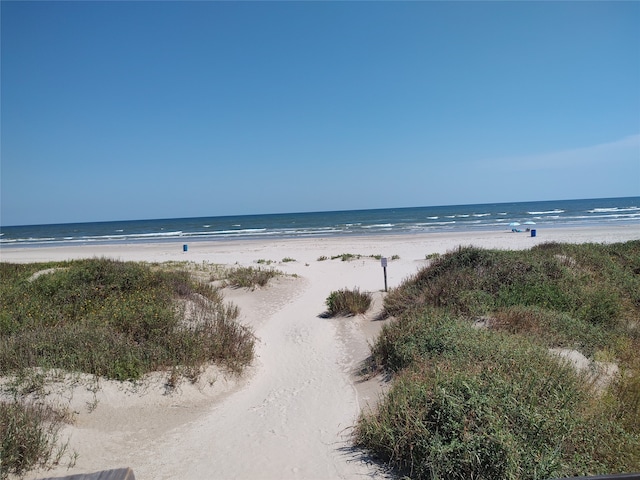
pixel 242 231
pixel 379 225
pixel 614 210
pixel 610 216
pixel 156 234
pixel 557 210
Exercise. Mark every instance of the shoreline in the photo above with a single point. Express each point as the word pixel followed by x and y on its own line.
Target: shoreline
pixel 295 407
pixel 199 250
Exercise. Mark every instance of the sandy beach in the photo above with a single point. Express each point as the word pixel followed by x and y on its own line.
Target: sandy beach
pixel 290 415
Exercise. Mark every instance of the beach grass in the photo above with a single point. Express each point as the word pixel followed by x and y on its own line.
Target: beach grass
pixel 249 277
pixel 492 402
pixel 112 319
pixel 347 257
pixel 348 302
pixel 30 437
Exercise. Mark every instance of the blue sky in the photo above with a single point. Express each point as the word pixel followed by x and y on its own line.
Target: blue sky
pixel 132 110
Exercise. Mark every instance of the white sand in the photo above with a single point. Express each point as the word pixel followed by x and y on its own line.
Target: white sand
pixel 292 413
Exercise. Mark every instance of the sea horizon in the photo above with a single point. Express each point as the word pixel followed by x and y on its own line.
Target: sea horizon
pixel 364 222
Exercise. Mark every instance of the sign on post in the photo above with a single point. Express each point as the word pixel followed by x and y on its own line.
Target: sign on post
pixel 383 262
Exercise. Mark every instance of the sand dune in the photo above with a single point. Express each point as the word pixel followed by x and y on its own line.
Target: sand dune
pixel 291 415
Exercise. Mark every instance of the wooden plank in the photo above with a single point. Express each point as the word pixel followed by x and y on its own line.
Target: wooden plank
pixel 116 474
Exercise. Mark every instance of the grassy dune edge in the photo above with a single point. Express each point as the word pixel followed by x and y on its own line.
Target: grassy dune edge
pixel 111 319
pixel 477 392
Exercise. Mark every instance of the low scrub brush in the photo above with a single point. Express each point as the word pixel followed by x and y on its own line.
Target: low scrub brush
pixel 348 302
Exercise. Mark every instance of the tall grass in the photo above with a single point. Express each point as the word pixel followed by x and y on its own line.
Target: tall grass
pixel 118 320
pixel 114 319
pixel 588 283
pixel 348 302
pixel 29 436
pixel 492 403
pixel 249 277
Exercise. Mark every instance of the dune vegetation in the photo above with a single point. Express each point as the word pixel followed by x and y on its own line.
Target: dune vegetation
pixel 112 319
pixel 348 302
pixel 478 391
pixel 249 277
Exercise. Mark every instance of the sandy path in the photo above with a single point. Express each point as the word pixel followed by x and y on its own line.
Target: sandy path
pixel 300 401
pixel 291 418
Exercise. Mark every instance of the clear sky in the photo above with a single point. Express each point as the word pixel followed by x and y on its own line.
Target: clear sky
pixel 133 110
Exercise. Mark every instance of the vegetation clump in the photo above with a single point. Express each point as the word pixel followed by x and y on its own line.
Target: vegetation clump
pixel 29 436
pixel 348 302
pixel 346 257
pixel 250 277
pixel 469 402
pixel 112 319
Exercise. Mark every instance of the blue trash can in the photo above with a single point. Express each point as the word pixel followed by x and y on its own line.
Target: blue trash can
pixel 185 247
pixel 533 233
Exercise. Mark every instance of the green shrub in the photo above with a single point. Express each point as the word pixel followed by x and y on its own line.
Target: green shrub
pixel 115 319
pixel 118 320
pixel 249 277
pixel 471 402
pixel 348 302
pixel 588 283
pixel 345 257
pixel 601 307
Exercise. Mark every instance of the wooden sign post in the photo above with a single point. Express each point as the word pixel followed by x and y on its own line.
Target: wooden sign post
pixel 383 261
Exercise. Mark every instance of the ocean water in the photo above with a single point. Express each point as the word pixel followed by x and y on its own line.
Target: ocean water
pixel 495 216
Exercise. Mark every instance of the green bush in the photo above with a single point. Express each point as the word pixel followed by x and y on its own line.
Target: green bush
pixel 115 319
pixel 346 257
pixel 118 320
pixel 589 282
pixel 348 302
pixel 249 277
pixel 470 402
